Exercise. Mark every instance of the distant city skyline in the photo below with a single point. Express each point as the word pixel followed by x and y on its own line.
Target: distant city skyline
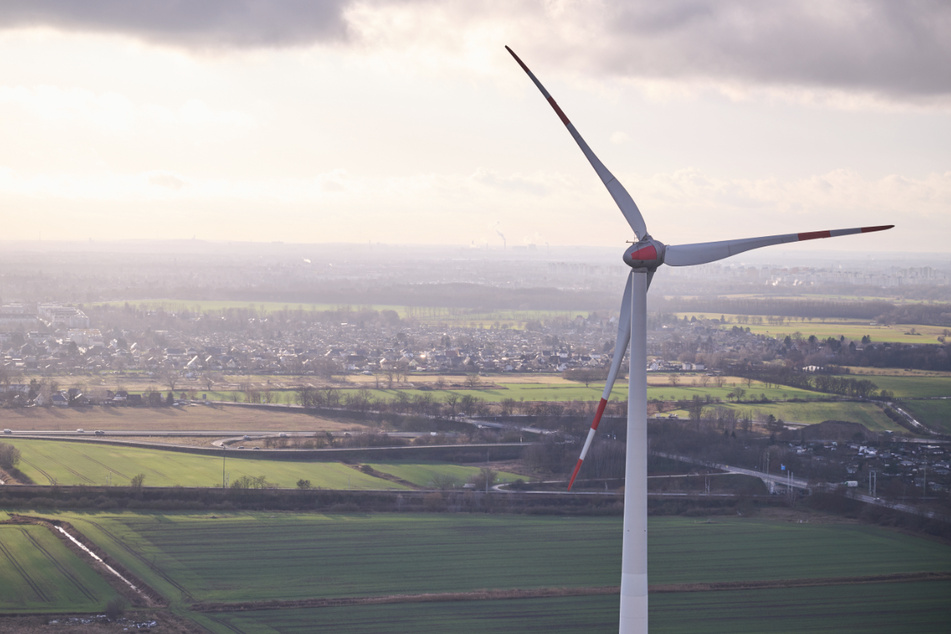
pixel 408 123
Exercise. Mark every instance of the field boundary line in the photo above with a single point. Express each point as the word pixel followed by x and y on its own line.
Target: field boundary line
pixel 432 597
pixel 897 577
pixel 549 593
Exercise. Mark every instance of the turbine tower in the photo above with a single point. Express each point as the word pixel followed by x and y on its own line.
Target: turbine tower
pixel 643 257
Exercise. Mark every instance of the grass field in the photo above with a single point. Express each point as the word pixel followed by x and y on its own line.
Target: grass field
pixel 869 609
pixel 440 315
pixel 258 556
pixel 935 414
pixel 191 418
pixel 867 414
pixel 39 574
pixel 851 329
pixel 911 386
pixel 78 463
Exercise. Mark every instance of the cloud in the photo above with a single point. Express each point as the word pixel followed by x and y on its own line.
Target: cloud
pixel 901 50
pixel 896 50
pixel 203 25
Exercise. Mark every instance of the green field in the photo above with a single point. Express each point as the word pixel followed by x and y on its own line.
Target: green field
pixel 851 329
pixel 909 386
pixel 555 389
pixel 875 608
pixel 427 475
pixel 867 414
pixel 77 463
pixel 39 574
pixel 237 557
pixel 936 414
pixel 507 318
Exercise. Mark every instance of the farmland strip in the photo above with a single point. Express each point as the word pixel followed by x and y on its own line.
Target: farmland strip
pixel 23 573
pixel 184 591
pixel 43 473
pixel 544 593
pixel 59 566
pixel 104 466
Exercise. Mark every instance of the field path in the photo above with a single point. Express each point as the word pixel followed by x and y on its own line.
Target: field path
pixel 119 542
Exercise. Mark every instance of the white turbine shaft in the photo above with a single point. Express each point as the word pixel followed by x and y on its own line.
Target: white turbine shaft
pixel 634 545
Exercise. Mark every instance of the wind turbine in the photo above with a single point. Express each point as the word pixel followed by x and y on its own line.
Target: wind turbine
pixel 644 256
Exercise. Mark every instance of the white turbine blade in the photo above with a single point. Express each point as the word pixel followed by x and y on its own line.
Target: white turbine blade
pixel 703 252
pixel 623 199
pixel 620 348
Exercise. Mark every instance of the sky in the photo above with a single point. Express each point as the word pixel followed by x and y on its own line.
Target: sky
pixel 407 122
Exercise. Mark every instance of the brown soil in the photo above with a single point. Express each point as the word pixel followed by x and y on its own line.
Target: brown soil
pixel 85 623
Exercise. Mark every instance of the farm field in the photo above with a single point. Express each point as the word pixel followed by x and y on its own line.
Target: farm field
pixel 198 557
pixel 425 314
pixel 869 609
pixel 936 414
pixel 39 574
pixel 908 386
pixel 95 464
pixel 868 414
pixel 78 463
pixel 497 389
pixel 851 329
pixel 191 418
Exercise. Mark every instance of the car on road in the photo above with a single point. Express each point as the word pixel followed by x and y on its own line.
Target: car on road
pixel 99 432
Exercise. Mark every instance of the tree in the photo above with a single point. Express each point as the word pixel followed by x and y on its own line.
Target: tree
pixel 137 480
pixel 695 408
pixel 486 478
pixel 9 456
pixel 303 485
pixel 170 377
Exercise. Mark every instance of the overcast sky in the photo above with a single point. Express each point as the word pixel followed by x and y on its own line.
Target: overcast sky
pixel 406 121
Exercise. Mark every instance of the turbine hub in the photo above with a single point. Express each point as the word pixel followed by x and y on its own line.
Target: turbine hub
pixel 645 254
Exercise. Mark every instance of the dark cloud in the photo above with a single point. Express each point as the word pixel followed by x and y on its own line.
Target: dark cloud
pixel 900 49
pixel 197 24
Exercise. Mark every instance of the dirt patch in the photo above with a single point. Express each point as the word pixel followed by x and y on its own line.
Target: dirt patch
pixel 85 623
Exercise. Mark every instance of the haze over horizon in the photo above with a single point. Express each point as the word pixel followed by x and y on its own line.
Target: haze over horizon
pixel 402 122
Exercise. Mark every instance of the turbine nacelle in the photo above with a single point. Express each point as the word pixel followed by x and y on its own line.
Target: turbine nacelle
pixel 645 254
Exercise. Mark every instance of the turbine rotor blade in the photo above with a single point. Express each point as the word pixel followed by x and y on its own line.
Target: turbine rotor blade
pixel 620 348
pixel 703 252
pixel 623 199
